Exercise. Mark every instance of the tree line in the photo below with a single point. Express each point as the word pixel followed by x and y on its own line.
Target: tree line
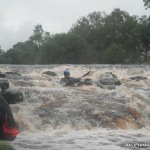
pixel 115 38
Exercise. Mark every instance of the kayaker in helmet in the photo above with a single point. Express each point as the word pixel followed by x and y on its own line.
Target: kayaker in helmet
pixel 69 81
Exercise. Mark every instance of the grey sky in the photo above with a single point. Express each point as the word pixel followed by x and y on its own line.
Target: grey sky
pixel 18 17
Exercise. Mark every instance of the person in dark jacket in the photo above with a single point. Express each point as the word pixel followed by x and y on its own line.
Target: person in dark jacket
pixel 8 128
pixel 6 117
pixel 69 81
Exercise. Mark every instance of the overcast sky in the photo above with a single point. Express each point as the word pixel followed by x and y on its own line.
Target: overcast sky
pixel 18 17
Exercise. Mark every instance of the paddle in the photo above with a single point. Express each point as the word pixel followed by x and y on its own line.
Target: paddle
pixel 86 74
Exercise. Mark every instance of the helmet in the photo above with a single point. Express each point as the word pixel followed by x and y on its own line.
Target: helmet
pixel 66 72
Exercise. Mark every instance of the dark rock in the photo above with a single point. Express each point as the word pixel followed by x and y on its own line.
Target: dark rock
pixel 4 84
pixel 138 78
pixel 13 73
pixel 99 85
pixel 50 73
pixel 109 79
pixel 110 82
pixel 113 81
pixel 13 97
pixel 109 87
pixel 2 75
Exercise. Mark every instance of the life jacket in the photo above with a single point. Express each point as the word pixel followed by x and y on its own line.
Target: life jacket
pixel 8 127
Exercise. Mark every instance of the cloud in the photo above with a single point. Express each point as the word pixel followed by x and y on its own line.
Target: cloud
pixel 10 35
pixel 18 17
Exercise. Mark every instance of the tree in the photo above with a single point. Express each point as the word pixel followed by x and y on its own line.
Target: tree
pixel 50 52
pixel 120 28
pixel 75 49
pixel 144 38
pixel 85 26
pixel 146 3
pixel 115 54
pixel 1 51
pixel 97 38
pixel 38 35
pixel 11 57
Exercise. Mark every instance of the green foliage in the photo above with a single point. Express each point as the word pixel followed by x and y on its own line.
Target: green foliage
pixel 115 54
pixel 144 38
pixel 97 38
pixel 1 55
pixel 64 48
pixel 37 37
pixel 1 51
pixel 146 3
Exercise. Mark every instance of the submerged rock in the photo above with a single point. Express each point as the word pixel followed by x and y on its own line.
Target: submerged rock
pixel 133 112
pixel 4 84
pixel 2 75
pixel 13 73
pixel 131 118
pixel 13 97
pixel 108 81
pixel 125 123
pixel 109 87
pixel 50 73
pixel 138 78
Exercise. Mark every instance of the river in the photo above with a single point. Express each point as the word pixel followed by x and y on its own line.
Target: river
pixel 57 117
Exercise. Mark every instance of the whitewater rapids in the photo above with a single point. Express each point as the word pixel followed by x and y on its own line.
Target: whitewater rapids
pixel 57 117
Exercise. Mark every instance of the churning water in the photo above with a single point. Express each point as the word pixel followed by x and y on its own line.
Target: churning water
pixel 57 117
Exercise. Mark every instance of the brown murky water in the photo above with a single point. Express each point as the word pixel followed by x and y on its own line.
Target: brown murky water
pixel 55 117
